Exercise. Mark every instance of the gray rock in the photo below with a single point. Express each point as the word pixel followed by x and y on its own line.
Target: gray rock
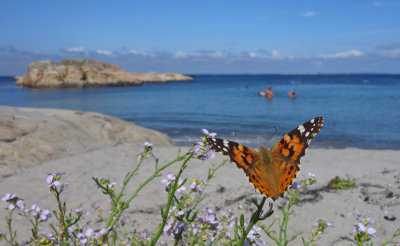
pixel 87 73
pixel 31 136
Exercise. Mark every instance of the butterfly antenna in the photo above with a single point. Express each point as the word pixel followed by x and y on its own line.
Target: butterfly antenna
pixel 273 133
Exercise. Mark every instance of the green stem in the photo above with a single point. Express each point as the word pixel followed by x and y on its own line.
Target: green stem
pixel 117 212
pixel 157 235
pixel 254 219
pixel 10 232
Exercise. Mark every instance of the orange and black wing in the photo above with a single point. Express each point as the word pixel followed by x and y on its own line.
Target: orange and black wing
pixel 244 157
pixel 291 148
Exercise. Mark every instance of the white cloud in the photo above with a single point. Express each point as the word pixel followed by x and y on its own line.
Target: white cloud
pixel 309 14
pixel 137 52
pixel 180 54
pixel 344 54
pixel 271 55
pixel 104 52
pixel 216 54
pixel 76 49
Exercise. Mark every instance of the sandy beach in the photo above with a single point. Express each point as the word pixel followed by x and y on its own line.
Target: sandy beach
pixel 376 172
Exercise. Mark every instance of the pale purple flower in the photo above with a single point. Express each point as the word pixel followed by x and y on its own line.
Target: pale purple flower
pixel 53 181
pixel 82 238
pixel 210 218
pixel 143 236
pixel 49 236
pixel 177 213
pixel 311 176
pixel 147 153
pixel 167 181
pixel 205 131
pixel 210 236
pixel 201 149
pixel 35 210
pixel 179 226
pixel 254 236
pixel 173 226
pixel 294 186
pixel 180 186
pixel 7 197
pixel 363 226
pixel 196 187
pixel 198 147
pixel 45 215
pixel 228 217
pixel 14 202
pixel 147 144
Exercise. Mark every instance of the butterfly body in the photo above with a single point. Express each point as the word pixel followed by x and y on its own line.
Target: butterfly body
pixel 271 171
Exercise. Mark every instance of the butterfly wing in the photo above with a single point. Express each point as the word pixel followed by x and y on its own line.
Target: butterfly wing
pixel 291 148
pixel 246 159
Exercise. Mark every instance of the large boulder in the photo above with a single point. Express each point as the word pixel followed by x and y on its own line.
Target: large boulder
pixel 87 73
pixel 31 136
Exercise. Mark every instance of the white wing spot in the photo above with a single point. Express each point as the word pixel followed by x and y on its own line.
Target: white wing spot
pixel 214 140
pixel 307 133
pixel 312 121
pixel 312 129
pixel 226 143
pixel 225 149
pixel 301 128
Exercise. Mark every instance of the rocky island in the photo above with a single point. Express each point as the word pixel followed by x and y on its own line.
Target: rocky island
pixel 82 73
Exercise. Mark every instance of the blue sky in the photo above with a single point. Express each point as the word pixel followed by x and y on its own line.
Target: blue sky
pixel 255 36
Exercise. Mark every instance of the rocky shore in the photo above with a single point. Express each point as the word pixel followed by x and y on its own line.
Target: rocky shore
pixel 31 136
pixel 82 73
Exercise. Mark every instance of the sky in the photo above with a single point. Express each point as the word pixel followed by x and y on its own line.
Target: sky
pixel 205 37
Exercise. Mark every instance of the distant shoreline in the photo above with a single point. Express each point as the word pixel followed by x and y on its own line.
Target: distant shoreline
pixel 272 74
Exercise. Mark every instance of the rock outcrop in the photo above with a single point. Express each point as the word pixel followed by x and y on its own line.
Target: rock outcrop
pixel 80 73
pixel 31 136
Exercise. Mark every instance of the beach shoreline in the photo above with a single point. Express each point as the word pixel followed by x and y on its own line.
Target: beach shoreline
pixel 376 173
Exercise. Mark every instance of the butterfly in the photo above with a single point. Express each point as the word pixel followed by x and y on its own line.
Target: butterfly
pixel 271 171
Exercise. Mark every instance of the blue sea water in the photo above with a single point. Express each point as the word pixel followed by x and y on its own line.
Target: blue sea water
pixel 360 110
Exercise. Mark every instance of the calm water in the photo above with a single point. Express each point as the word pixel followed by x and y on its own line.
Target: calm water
pixel 360 110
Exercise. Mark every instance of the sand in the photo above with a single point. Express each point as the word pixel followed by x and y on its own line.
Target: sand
pixel 376 172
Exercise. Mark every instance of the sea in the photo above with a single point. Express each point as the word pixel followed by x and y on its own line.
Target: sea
pixel 361 111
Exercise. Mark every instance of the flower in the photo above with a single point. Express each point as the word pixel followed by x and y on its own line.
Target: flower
pixel 167 181
pixel 228 218
pixel 196 186
pixel 205 131
pixel 254 236
pixel 320 226
pixel 50 237
pixel 53 181
pixel 201 150
pixel 181 187
pixel 147 153
pixel 295 186
pixel 14 202
pixel 173 227
pixel 42 215
pixel 362 232
pixel 45 215
pixel 311 178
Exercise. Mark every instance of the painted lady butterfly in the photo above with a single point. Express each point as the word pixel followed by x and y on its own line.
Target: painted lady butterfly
pixel 271 171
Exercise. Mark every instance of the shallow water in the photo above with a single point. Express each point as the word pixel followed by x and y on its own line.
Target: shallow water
pixel 360 110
